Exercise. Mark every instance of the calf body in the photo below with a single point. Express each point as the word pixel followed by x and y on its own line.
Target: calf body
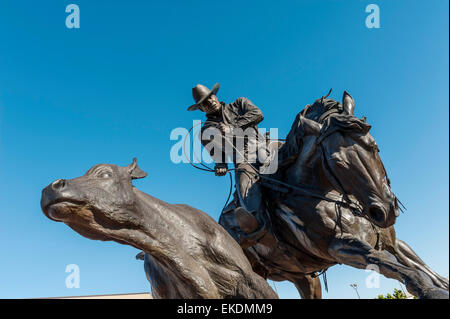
pixel 190 254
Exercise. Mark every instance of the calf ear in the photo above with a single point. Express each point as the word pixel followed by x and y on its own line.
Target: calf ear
pixel 348 103
pixel 134 171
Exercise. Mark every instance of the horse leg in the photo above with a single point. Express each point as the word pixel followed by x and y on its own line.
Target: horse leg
pixel 408 257
pixel 308 287
pixel 356 253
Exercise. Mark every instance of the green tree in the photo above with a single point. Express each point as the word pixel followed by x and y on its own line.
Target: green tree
pixel 398 294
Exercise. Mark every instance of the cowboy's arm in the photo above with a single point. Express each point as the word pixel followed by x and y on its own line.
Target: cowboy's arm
pixel 212 140
pixel 251 115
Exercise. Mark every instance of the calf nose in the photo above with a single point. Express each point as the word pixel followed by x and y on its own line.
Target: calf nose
pixel 59 184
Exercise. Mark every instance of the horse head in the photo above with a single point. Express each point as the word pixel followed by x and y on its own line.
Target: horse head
pixel 353 166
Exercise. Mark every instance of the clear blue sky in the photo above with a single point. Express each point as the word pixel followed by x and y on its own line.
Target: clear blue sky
pixel 116 87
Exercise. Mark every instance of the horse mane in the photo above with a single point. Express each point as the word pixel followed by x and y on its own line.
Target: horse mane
pixel 323 107
pixel 291 148
pixel 325 112
pixel 319 107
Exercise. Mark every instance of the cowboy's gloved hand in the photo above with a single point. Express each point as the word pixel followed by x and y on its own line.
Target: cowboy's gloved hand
pixel 220 170
pixel 224 128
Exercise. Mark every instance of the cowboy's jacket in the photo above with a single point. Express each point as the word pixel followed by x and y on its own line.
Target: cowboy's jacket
pixel 241 113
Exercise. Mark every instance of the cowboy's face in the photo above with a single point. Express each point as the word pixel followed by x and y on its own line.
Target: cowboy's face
pixel 210 105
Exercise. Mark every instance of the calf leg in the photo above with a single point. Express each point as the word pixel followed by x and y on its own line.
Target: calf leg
pixel 353 252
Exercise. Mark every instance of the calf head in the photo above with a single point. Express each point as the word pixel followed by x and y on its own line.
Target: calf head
pixel 97 204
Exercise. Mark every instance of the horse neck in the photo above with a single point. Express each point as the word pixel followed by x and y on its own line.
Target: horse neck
pixel 307 170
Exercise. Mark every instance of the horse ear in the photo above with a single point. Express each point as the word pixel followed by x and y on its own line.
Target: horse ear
pixel 347 103
pixel 134 171
pixel 309 126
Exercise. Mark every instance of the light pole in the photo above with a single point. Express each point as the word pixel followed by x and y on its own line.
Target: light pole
pixel 355 286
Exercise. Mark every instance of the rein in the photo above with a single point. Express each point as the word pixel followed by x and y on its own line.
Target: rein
pixel 300 189
pixel 356 208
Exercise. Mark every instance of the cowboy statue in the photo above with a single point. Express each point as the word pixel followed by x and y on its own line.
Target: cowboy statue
pixel 233 127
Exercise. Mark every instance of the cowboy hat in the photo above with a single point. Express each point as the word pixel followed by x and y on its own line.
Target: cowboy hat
pixel 201 93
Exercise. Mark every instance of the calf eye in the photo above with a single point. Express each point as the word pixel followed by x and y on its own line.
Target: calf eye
pixel 105 175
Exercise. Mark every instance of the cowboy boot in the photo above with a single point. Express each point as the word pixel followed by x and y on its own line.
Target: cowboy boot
pixel 246 221
pixel 253 230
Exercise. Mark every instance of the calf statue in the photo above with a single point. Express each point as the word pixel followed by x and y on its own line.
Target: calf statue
pixel 188 253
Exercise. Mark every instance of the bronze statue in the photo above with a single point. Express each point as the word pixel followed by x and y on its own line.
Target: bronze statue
pixel 337 207
pixel 330 202
pixel 227 118
pixel 188 254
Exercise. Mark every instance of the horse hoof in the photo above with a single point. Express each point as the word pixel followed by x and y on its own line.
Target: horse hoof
pixel 435 293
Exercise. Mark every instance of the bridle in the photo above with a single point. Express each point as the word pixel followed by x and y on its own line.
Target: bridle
pixel 333 179
pixel 343 200
pixel 303 190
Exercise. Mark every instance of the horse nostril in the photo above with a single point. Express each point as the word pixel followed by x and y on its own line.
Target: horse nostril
pixel 59 184
pixel 377 214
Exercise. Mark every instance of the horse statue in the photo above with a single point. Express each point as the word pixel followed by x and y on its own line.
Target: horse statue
pixel 333 204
